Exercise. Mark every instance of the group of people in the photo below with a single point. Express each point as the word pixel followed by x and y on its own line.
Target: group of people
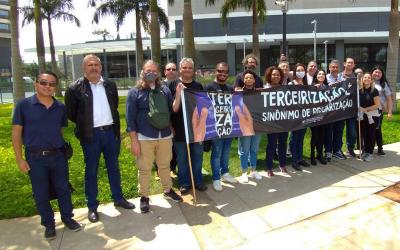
pixel 155 125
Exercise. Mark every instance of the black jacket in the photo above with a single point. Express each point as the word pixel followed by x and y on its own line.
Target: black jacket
pixel 79 102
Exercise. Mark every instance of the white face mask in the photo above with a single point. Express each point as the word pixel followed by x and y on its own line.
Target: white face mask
pixel 300 74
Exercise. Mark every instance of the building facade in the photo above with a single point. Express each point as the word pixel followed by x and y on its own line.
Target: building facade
pixel 5 39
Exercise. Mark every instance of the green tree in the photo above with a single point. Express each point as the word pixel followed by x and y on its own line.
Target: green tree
pixel 40 51
pixel 52 10
pixel 158 17
pixel 258 9
pixel 120 9
pixel 18 83
pixel 188 32
pixel 393 48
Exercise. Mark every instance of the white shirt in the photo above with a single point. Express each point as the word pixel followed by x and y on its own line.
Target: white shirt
pixel 309 79
pixel 101 108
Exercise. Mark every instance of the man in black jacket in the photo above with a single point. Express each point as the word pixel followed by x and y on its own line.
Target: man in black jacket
pixel 92 104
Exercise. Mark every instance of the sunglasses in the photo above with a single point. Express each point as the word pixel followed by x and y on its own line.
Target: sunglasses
pixel 170 69
pixel 220 71
pixel 46 83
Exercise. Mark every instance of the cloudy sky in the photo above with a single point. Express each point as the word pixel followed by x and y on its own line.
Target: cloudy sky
pixel 68 33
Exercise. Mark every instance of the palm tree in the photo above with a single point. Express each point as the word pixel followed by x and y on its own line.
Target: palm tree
pixel 258 9
pixel 52 10
pixel 18 83
pixel 188 33
pixel 158 17
pixel 120 9
pixel 39 35
pixel 393 48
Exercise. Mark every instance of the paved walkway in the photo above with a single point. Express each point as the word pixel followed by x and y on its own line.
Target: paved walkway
pixel 323 207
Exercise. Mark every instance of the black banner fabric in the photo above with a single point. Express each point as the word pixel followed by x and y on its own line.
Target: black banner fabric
pixel 211 115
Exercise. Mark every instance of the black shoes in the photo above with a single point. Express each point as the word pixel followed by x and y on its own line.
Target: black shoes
pixel 201 187
pixel 296 166
pixel 184 190
pixel 351 152
pixel 303 163
pixel 93 216
pixel 124 204
pixel 381 153
pixel 171 195
pixel 313 162
pixel 72 225
pixel 50 233
pixel 322 160
pixel 144 204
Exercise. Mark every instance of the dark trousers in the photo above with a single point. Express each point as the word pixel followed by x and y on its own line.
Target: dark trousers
pixel 104 141
pixel 333 137
pixel 378 132
pixel 351 132
pixel 196 155
pixel 296 144
pixel 368 134
pixel 317 140
pixel 43 169
pixel 280 140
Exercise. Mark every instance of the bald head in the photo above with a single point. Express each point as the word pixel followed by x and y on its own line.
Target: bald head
pixel 91 66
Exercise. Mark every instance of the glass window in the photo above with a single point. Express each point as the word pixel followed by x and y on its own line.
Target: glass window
pixel 4 26
pixel 3 13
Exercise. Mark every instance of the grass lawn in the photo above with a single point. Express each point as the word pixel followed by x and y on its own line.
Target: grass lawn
pixel 16 189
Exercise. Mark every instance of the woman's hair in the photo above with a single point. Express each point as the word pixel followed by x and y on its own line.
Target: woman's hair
pixel 315 80
pixel 383 80
pixel 141 83
pixel 268 74
pixel 372 82
pixel 295 70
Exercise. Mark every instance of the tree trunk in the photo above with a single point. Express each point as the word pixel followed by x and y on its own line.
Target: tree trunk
pixel 139 44
pixel 188 34
pixel 155 33
pixel 54 67
pixel 393 49
pixel 39 36
pixel 256 43
pixel 18 82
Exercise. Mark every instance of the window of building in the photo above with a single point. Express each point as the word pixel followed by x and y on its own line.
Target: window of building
pixel 3 13
pixel 4 26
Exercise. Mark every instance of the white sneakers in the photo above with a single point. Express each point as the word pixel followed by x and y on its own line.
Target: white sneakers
pixel 228 178
pixel 217 185
pixel 255 174
pixel 244 178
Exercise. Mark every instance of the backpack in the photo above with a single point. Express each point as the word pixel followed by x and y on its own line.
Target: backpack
pixel 159 114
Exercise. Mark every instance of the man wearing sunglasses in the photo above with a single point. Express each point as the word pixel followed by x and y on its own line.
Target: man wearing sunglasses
pixel 92 104
pixel 170 73
pixel 37 124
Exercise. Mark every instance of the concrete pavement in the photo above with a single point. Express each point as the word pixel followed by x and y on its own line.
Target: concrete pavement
pixel 323 207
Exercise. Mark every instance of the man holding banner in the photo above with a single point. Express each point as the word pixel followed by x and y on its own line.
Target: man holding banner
pixel 221 146
pixel 186 70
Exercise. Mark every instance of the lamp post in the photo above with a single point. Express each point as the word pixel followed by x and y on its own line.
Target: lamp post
pixel 315 22
pixel 326 54
pixel 244 47
pixel 284 7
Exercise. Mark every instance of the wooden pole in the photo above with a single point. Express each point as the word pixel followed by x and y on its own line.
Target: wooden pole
pixel 191 174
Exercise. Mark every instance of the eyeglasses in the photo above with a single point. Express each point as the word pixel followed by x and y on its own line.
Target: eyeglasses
pixel 170 69
pixel 46 83
pixel 220 71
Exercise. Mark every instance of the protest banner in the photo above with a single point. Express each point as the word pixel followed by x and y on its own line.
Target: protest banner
pixel 209 115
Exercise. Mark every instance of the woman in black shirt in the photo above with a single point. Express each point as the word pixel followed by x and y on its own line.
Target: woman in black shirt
pixel 369 104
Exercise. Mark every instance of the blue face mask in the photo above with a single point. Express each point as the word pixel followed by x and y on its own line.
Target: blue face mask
pixel 150 76
pixel 300 74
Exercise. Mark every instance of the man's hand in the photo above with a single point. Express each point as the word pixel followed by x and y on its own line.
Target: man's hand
pixel 23 166
pixel 135 148
pixel 245 120
pixel 199 124
pixel 389 116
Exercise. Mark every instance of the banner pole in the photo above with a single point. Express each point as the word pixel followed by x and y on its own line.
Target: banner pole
pixel 183 103
pixel 358 116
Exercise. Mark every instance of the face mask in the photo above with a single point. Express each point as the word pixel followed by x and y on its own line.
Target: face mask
pixel 300 74
pixel 150 76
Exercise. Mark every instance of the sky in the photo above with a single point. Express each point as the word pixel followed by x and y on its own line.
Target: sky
pixel 69 33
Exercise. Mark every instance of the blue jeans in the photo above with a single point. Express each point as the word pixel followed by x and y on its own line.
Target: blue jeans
pixel 220 157
pixel 104 141
pixel 273 140
pixel 196 155
pixel 296 144
pixel 333 136
pixel 248 148
pixel 43 169
pixel 351 132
